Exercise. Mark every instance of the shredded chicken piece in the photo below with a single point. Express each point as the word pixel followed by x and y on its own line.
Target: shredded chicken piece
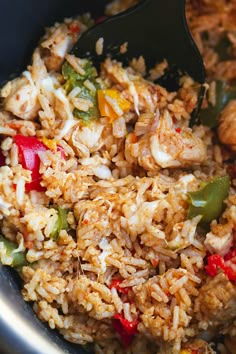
pixel 143 94
pixel 165 147
pixel 57 45
pixel 227 127
pixel 218 244
pixel 87 139
pixel 22 94
pixel 21 98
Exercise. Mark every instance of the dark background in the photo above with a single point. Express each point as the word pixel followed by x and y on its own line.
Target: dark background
pixel 22 23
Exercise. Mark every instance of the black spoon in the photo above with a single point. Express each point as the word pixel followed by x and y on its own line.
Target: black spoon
pixel 156 29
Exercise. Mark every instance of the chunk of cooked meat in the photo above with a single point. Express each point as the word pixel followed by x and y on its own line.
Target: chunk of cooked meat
pixel 163 146
pixel 218 244
pixel 227 126
pixel 58 43
pixel 217 301
pixel 21 98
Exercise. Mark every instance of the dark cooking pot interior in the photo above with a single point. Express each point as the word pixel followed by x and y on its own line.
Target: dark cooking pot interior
pixel 21 25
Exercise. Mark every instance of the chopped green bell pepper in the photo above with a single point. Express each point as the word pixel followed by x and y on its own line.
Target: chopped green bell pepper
pixel 60 224
pixel 18 258
pixel 209 200
pixel 74 79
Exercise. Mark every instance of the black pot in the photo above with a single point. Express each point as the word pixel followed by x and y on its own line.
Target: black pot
pixel 22 23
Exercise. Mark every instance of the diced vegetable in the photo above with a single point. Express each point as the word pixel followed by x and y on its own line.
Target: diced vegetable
pixel 215 262
pixel 28 149
pixel 53 145
pixel 125 328
pixel 224 93
pixel 92 113
pixel 50 143
pixel 115 283
pixel 105 107
pixel 61 223
pixel 18 258
pixel 2 159
pixel 209 200
pixel 227 264
pixel 74 79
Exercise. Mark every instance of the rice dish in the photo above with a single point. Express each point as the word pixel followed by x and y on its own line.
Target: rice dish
pixel 116 208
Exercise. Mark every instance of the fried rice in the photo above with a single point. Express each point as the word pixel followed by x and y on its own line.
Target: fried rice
pixel 118 211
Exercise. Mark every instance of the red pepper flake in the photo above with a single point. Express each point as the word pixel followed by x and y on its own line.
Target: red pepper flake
pixel 126 329
pixel 178 130
pixel 15 126
pixel 85 221
pixel 115 283
pixel 74 28
pixel 155 262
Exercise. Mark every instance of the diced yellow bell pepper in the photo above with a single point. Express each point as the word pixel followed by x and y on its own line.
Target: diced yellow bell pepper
pixel 50 143
pixel 185 351
pixel 106 109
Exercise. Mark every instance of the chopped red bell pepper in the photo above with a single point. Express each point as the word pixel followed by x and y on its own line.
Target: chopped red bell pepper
pixel 2 159
pixel 116 284
pixel 216 262
pixel 231 273
pixel 126 329
pixel 28 149
pixel 231 255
